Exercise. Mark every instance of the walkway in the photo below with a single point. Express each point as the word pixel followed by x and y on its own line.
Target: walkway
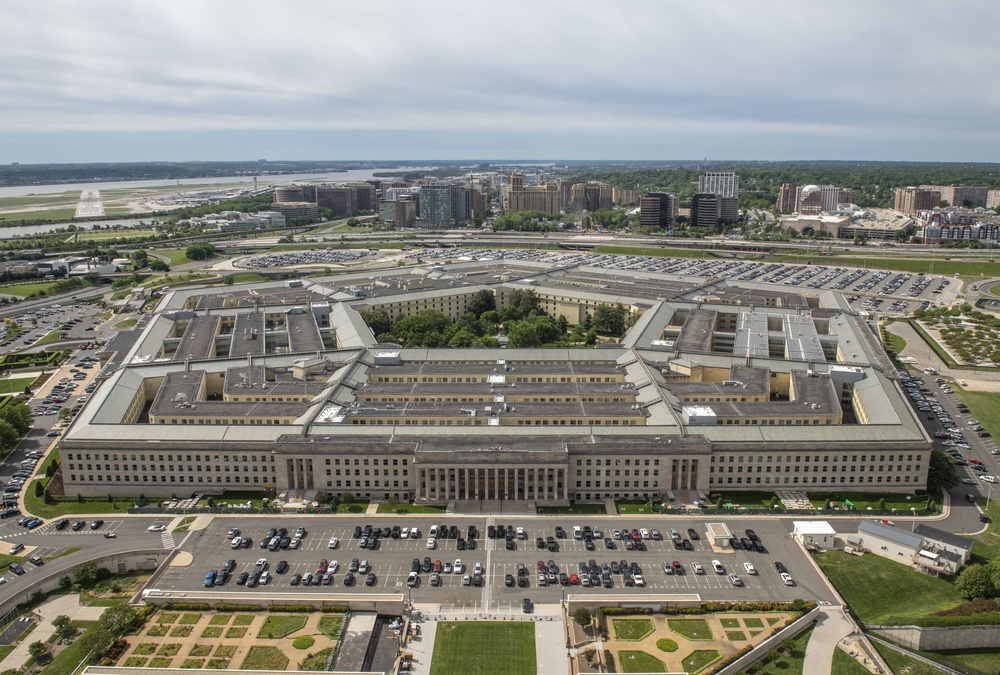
pixel 832 627
pixel 49 610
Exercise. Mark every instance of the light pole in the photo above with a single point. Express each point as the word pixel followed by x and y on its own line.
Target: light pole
pixel 913 523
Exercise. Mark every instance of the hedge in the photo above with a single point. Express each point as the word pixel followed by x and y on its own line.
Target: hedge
pixel 335 609
pixel 184 606
pixel 225 607
pixel 291 608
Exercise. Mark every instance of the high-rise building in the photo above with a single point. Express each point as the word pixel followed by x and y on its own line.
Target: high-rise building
pixel 590 196
pixel 961 195
pixel 913 199
pixel 705 210
pixel 722 183
pixel 828 196
pixel 545 198
pixel 657 209
pixel 621 196
pixel 786 197
pixel 810 201
pixel 435 204
pixel 342 201
pixel 992 199
pixel 846 196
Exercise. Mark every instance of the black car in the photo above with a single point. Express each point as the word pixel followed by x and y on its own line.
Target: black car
pixel 460 544
pixel 511 546
pixel 78 525
pixel 61 524
pixel 539 542
pixel 692 534
pixel 491 532
pixel 370 579
pixel 242 579
pixel 426 567
pixel 752 535
pixel 735 544
pixel 688 546
pixel 281 567
pixel 229 566
pixel 508 580
pixel 526 606
pixel 414 565
pixel 16 568
pixel 561 533
pixel 357 532
pixel 470 544
pixel 349 579
pixel 984 434
pixel 472 532
pixel 780 567
pixel 746 544
pixel 294 581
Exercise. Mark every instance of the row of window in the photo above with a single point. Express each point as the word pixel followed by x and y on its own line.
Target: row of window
pixel 794 480
pixel 723 459
pixel 164 468
pixel 618 472
pixel 101 478
pixel 357 472
pixel 618 484
pixel 170 458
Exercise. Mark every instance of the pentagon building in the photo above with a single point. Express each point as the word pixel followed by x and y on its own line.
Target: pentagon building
pixel 281 386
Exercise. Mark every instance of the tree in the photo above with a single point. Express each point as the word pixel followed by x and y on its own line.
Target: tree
pixel 8 436
pixel 39 489
pixel 157 265
pixel 86 574
pixel 378 320
pixel 941 473
pixel 229 281
pixel 200 251
pixel 140 259
pixel 523 334
pixel 582 616
pixel 61 623
pixel 482 301
pixel 975 582
pixel 18 416
pixel 38 650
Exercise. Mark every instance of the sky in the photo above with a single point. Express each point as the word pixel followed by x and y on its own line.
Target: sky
pixel 179 80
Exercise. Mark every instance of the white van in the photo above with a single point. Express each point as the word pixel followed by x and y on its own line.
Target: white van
pixel 989 479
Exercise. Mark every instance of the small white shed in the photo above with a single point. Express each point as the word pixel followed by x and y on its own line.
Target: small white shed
pixel 814 533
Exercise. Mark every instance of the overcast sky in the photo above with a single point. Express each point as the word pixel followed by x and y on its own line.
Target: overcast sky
pixel 667 79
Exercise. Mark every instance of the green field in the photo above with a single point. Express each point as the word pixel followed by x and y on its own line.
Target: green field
pixel 881 591
pixel 385 507
pixel 50 337
pixel 15 385
pixel 129 233
pixel 581 509
pixel 24 290
pixel 56 213
pixel 984 406
pixel 175 257
pixel 639 662
pixel 55 199
pixel 652 251
pixel 247 278
pixel 901 663
pixel 484 648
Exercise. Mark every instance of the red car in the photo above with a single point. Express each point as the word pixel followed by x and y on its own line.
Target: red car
pixel 574 580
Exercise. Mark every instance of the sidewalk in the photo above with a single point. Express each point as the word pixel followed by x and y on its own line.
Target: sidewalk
pixel 58 605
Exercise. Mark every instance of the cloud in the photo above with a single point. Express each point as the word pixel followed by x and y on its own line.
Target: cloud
pixel 759 76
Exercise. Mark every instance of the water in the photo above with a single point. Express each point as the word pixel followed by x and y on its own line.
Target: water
pixel 352 175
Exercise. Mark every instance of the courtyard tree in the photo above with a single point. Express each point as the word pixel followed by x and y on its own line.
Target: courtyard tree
pixel 582 616
pixel 975 582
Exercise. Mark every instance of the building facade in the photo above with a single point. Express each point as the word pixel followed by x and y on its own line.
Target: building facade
pixel 658 209
pixel 910 200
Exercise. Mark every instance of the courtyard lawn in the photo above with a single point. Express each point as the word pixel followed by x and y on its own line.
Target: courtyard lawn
pixel 901 663
pixel 790 663
pixel 862 500
pixel 699 659
pixel 278 626
pixel 633 507
pixel 631 629
pixel 484 648
pixel 265 658
pixel 692 629
pixel 881 591
pixel 639 662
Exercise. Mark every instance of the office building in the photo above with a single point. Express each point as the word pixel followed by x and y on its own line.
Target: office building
pixel 909 200
pixel 591 196
pixel 519 197
pixel 341 200
pixel 725 386
pixel 722 183
pixel 787 197
pixel 961 195
pixel 658 209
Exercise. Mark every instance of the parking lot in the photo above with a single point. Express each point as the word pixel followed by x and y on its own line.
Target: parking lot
pixel 391 562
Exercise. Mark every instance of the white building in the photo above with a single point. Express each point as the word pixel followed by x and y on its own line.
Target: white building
pixel 933 550
pixel 816 533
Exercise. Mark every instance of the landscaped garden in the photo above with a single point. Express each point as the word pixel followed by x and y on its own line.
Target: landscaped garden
pixel 224 640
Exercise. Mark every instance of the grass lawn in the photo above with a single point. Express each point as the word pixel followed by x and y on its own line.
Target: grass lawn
pixel 54 214
pixel 265 658
pixel 699 659
pixel 736 636
pixel 789 664
pixel 863 500
pixel 893 343
pixel 652 251
pixel 175 257
pixel 484 648
pixel 247 278
pixel 190 619
pixel 97 235
pixel 220 620
pixel 692 629
pixel 843 664
pixel 354 507
pixel 14 385
pixel 235 633
pixel 639 662
pixel 201 650
pixel 751 499
pixel 145 649
pixel 316 661
pixel 127 323
pixel 901 663
pixel 279 626
pixel 50 337
pixel 881 591
pixel 730 623
pixel 409 508
pixel 986 546
pixel 225 651
pixel 753 623
pixel 633 507
pixel 984 406
pixel 243 620
pixel 210 632
pixel 581 509
pixel 68 660
pixel 631 629
pixel 37 506
pixel 331 625
pixel 984 660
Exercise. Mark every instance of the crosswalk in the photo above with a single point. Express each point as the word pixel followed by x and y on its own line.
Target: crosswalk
pixel 168 540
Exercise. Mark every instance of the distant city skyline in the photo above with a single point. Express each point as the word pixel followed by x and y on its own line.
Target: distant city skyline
pixel 646 80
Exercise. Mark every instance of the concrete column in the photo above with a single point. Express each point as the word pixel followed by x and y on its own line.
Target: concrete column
pixel 541 483
pixel 418 491
pixel 533 477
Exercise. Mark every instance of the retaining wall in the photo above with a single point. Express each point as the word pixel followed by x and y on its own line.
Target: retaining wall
pixel 923 638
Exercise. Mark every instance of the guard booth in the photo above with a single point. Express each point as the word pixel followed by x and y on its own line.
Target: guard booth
pixel 718 534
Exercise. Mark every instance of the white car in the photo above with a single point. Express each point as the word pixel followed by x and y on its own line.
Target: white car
pixel 432 544
pixel 334 543
pixel 3 579
pixel 717 566
pixel 644 533
pixel 458 566
pixel 639 581
pixel 333 566
pixel 749 568
pixel 477 568
pixel 265 577
pixel 698 568
pixel 786 579
pixel 156 528
pixel 261 563
pixel 405 534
